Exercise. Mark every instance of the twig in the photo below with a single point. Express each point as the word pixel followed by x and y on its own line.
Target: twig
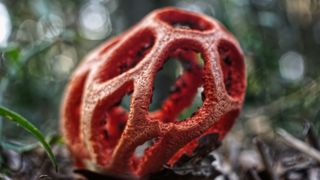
pixel 314 173
pixel 266 158
pixel 253 174
pixel 299 145
pixel 311 135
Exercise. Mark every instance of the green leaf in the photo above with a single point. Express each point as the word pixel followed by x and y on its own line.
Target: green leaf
pixel 24 123
pixel 55 139
pixel 13 54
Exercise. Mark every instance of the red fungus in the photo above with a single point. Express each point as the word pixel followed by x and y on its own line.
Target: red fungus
pixel 103 136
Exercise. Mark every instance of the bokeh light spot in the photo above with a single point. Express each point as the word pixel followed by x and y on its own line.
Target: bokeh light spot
pixel 50 26
pixel 5 25
pixel 291 66
pixel 94 21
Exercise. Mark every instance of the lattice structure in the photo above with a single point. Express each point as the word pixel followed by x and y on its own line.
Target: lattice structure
pixel 103 136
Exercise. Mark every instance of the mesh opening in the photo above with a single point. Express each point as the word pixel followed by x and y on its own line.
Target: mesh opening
pixel 232 66
pixel 109 121
pixel 128 55
pixel 180 97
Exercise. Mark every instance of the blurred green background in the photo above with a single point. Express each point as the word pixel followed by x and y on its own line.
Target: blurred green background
pixel 42 41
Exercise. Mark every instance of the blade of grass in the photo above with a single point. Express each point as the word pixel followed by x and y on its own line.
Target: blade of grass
pixel 24 123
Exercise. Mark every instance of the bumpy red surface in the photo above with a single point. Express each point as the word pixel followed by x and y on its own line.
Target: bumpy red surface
pixel 103 136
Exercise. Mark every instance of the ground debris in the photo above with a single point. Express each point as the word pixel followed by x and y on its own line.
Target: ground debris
pixel 260 159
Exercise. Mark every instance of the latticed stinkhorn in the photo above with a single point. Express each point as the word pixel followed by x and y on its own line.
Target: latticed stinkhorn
pixel 103 136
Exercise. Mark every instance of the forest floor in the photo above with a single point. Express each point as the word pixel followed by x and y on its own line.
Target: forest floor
pixel 270 155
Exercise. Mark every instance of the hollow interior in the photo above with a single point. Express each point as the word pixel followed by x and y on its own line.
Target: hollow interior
pixel 140 150
pixel 199 98
pixel 109 122
pixel 127 55
pixel 185 20
pixel 233 69
pixel 112 125
pixel 177 87
pixel 164 82
pixel 125 101
pixel 193 108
